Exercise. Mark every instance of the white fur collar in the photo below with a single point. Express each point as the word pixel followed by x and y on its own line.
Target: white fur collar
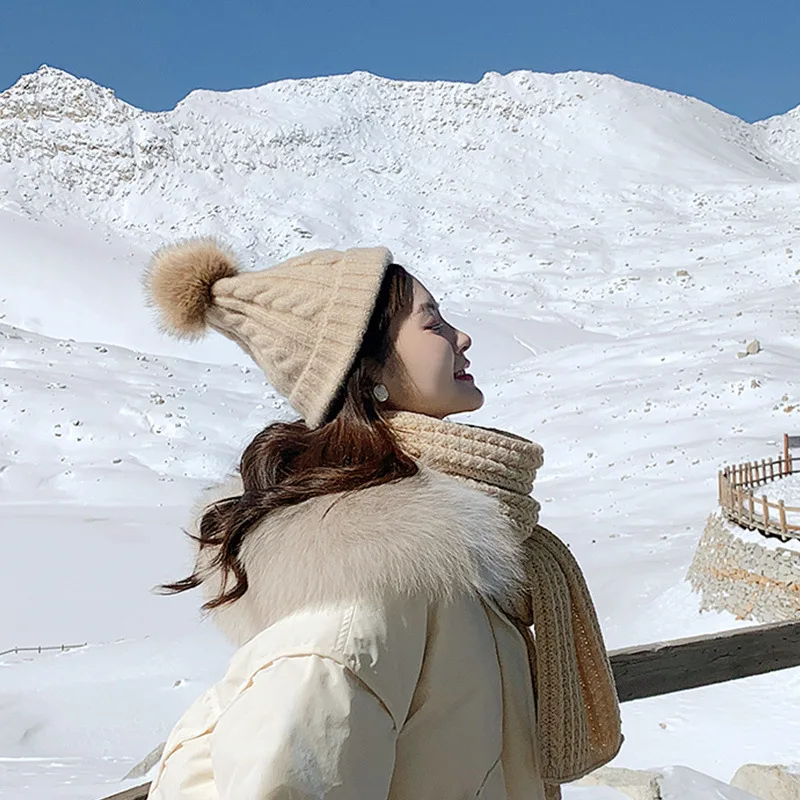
pixel 426 534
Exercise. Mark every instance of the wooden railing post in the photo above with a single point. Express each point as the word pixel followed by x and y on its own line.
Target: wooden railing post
pixel 786 453
pixel 782 516
pixel 751 507
pixel 765 506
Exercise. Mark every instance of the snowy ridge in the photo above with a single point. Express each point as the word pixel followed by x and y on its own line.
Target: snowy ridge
pixel 611 248
pixel 782 134
pixel 68 144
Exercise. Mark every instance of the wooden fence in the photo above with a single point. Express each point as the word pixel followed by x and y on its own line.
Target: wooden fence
pixel 740 504
pixel 42 648
pixel 665 667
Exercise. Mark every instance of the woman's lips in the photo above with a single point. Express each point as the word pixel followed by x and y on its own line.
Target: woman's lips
pixel 465 377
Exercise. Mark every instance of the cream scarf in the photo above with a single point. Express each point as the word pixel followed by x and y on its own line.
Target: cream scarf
pixel 576 699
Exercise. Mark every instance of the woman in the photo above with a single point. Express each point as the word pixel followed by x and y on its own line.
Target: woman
pixel 379 567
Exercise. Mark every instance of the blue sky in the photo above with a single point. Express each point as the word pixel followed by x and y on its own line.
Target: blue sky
pixel 740 55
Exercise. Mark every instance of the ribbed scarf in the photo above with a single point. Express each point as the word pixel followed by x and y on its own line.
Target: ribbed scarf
pixel 576 699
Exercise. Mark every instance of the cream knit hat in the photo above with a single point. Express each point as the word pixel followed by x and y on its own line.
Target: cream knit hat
pixel 301 321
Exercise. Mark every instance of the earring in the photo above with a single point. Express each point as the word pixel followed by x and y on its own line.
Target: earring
pixel 381 392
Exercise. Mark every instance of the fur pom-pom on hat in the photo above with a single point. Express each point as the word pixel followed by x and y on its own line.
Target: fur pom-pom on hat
pixel 178 283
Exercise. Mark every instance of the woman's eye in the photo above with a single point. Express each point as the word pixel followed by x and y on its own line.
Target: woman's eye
pixel 436 326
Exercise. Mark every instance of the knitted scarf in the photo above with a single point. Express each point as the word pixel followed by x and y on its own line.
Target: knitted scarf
pixel 576 699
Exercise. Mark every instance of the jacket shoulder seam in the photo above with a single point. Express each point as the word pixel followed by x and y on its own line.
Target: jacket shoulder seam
pixel 313 654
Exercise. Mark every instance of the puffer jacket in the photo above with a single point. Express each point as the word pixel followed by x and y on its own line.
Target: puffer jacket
pixel 374 661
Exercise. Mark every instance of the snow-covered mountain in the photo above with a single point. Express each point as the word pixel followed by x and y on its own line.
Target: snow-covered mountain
pixel 405 158
pixel 504 177
pixel 610 247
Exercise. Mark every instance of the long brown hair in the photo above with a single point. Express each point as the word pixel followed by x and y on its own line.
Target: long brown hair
pixel 287 463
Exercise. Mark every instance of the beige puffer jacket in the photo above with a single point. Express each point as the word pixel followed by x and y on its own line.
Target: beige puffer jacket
pixel 375 660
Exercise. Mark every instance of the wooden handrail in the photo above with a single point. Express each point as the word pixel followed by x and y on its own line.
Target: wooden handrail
pixel 763 501
pixel 755 473
pixel 735 486
pixel 136 793
pixel 665 667
pixel 672 666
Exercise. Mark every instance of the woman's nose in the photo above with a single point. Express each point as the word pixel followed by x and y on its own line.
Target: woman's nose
pixel 463 341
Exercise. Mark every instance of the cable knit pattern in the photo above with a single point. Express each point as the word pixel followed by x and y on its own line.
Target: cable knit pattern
pixel 302 321
pixel 576 699
pixel 501 464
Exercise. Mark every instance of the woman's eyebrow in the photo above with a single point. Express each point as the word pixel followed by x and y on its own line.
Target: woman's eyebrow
pixel 428 305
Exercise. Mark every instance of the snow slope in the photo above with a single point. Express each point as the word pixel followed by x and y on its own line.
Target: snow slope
pixel 610 248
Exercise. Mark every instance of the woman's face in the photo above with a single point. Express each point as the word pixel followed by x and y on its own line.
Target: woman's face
pixel 428 372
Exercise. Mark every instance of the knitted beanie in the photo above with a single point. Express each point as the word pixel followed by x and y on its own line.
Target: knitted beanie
pixel 301 321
